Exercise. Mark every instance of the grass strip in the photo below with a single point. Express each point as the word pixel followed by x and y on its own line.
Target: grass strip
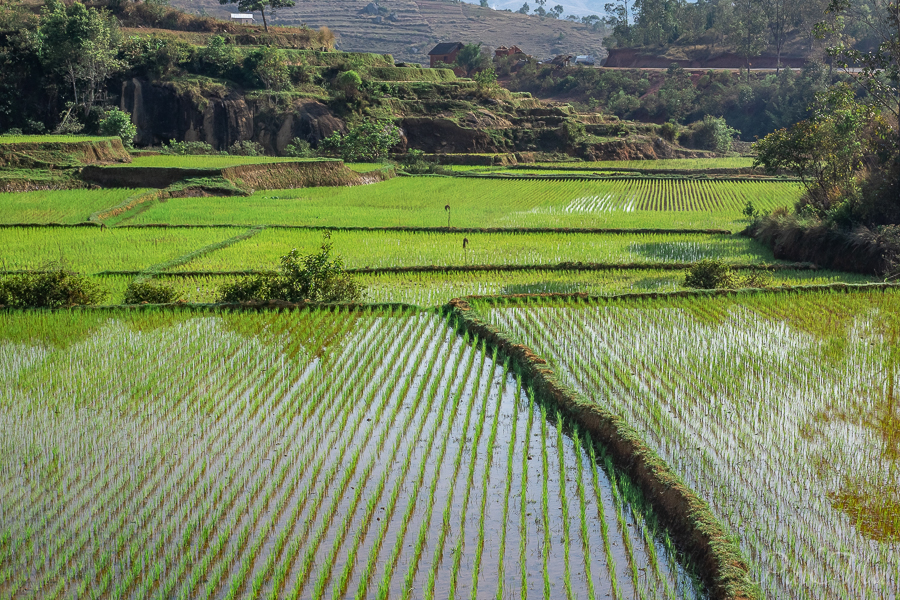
pixel 635 177
pixel 684 513
pixel 160 268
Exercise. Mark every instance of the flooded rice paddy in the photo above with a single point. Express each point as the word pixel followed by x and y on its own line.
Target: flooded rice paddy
pixel 299 455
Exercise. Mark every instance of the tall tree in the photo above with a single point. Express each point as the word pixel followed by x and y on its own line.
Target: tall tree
pixel 260 7
pixel 748 29
pixel 80 44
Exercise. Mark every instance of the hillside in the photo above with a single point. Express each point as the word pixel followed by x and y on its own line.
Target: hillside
pixel 408 29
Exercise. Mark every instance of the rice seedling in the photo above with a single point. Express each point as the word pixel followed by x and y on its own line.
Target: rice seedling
pixel 420 202
pixel 59 206
pixel 175 454
pixel 387 249
pixel 778 409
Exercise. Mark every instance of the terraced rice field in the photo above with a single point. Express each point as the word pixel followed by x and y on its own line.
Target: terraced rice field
pixel 91 249
pixel 61 206
pixel 385 249
pixel 299 455
pixel 420 202
pixel 781 411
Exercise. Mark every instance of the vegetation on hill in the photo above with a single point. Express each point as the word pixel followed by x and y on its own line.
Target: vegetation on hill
pixel 755 107
pixel 848 155
pixel 748 28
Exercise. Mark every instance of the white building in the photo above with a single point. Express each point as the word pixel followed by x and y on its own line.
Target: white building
pixel 243 19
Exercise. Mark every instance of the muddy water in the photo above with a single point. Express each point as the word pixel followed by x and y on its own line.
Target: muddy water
pixel 253 472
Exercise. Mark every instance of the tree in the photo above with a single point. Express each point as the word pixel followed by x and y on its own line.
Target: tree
pixel 524 10
pixel 81 44
pixel 747 30
pixel 260 7
pixel 484 4
pixel 472 59
pixel 270 65
pixel 880 69
pixel 117 122
pixel 826 150
pixel 370 140
pixel 557 11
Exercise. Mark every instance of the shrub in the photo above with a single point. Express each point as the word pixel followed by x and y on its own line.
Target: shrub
pixel 55 287
pixel 370 140
pixel 246 148
pixel 270 66
pixel 349 83
pixel 140 292
pixel 711 274
pixel 312 278
pixel 299 148
pixel 713 133
pixel 185 148
pixel 117 122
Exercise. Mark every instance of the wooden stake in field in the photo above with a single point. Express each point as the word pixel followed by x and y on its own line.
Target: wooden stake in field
pixel 447 208
pixel 465 251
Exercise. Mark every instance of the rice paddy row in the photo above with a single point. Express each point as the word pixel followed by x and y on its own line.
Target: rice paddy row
pixel 781 411
pixel 304 454
pixel 436 289
pixel 421 202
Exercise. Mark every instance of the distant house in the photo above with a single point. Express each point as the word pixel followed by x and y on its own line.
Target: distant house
pixel 243 19
pixel 445 53
pixel 584 59
pixel 504 51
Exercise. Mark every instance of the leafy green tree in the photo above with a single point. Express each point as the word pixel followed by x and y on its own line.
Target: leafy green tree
pixel 219 58
pixel 524 10
pixel 747 30
pixel 349 83
pixel 826 150
pixel 713 133
pixel 270 65
pixel 117 122
pixel 472 59
pixel 370 140
pixel 260 6
pixel 81 44
pixel 880 69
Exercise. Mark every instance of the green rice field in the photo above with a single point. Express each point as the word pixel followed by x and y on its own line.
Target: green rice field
pixel 436 289
pixel 382 249
pixel 689 164
pixel 203 161
pixel 300 454
pixel 91 249
pixel 781 411
pixel 60 206
pixel 420 202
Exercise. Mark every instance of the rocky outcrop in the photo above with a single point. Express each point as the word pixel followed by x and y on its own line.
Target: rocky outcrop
pixel 445 136
pixel 222 117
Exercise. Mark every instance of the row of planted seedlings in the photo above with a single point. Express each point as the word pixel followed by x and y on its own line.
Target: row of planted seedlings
pixel 302 454
pixel 777 409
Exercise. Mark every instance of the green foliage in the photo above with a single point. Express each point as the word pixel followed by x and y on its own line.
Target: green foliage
pixel 369 140
pixel 827 150
pixel 312 278
pixel 55 287
pixel 117 122
pixel 187 148
pixel 150 292
pixel 219 58
pixel 299 148
pixel 472 59
pixel 349 83
pixel 270 66
pixel 712 133
pixel 156 56
pixel 81 45
pixel 711 274
pixel 486 79
pixel 246 148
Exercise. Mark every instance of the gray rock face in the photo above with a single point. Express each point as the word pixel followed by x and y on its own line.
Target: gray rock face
pixel 161 114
